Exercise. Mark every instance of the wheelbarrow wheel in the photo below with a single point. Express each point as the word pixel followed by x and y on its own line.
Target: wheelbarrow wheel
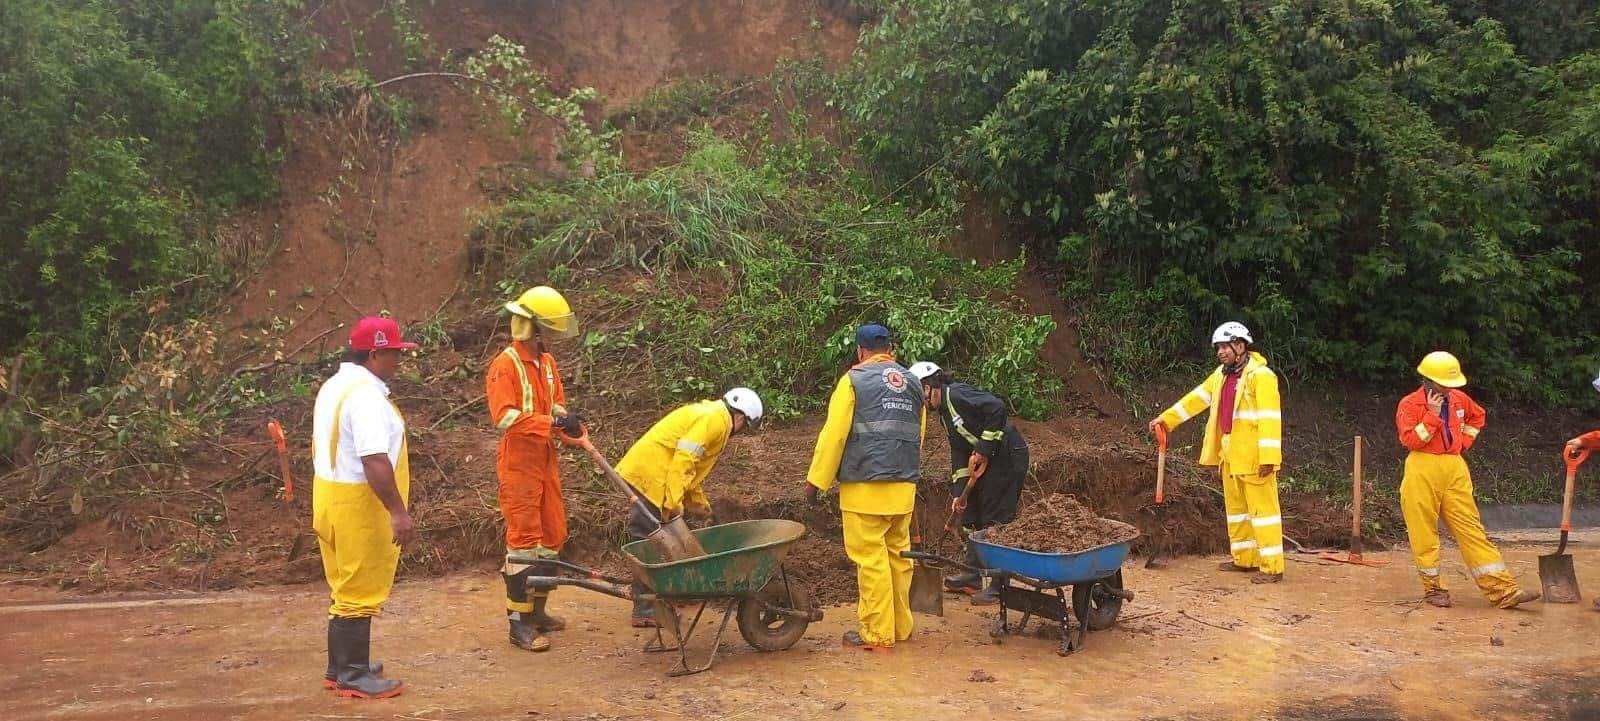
pixel 766 630
pixel 1101 608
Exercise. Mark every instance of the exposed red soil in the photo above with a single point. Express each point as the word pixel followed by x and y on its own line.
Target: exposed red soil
pixel 1058 523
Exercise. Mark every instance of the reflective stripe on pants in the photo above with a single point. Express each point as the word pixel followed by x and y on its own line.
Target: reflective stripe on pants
pixel 1255 525
pixel 883 578
pixel 1439 487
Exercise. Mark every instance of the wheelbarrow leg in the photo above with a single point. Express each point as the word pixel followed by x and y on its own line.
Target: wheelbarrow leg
pixel 683 668
pixel 1072 639
pixel 999 628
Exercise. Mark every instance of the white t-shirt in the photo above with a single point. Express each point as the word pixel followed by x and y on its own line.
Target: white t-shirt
pixel 368 425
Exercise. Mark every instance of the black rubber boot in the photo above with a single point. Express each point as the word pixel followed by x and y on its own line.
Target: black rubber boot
pixel 968 582
pixel 644 612
pixel 350 642
pixel 524 634
pixel 989 596
pixel 544 621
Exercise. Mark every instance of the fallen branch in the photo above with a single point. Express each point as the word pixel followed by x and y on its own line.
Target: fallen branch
pixel 1185 614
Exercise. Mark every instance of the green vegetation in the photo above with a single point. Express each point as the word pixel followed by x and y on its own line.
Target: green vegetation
pixel 718 271
pixel 1362 182
pixel 128 128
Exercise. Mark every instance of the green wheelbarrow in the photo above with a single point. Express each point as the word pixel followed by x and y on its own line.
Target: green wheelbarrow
pixel 741 573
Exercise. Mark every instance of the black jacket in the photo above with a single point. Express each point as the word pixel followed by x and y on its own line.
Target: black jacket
pixel 977 420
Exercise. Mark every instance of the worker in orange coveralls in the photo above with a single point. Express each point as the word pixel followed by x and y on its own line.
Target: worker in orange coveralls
pixel 525 398
pixel 1587 442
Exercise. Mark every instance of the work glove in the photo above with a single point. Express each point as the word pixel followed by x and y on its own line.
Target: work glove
pixel 1155 425
pixel 811 493
pixel 570 424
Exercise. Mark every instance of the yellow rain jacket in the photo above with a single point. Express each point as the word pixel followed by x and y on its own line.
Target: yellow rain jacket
pixel 671 461
pixel 1257 437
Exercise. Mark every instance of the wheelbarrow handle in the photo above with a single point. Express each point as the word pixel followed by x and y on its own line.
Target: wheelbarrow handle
pixel 938 560
pixel 544 565
pixel 546 583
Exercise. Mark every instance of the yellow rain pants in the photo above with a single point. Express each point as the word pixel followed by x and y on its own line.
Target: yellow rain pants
pixel 1255 521
pixel 883 578
pixel 359 555
pixel 1439 486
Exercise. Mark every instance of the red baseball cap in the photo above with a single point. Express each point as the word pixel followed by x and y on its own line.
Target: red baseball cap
pixel 378 333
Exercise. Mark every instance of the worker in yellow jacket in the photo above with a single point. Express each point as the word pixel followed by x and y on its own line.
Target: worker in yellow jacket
pixel 871 445
pixel 1244 439
pixel 669 464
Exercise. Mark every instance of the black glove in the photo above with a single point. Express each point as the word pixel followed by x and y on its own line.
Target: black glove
pixel 570 424
pixel 811 492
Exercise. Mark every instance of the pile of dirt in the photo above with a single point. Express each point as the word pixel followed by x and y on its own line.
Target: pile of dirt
pixel 1059 523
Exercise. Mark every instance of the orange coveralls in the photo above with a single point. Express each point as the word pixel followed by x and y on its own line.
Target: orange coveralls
pixel 524 396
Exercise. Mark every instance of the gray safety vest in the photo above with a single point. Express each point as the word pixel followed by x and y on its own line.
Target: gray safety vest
pixel 885 442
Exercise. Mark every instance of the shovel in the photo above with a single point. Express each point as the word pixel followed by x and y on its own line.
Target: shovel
pixel 1158 557
pixel 1556 574
pixel 672 539
pixel 1356 544
pixel 281 441
pixel 927 584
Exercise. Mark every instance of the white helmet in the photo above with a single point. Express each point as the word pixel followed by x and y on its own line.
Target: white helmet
pixel 745 401
pixel 923 369
pixel 1231 331
pixel 1597 382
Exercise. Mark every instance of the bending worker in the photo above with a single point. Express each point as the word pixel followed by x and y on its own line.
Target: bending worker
pixel 986 452
pixel 525 398
pixel 1244 439
pixel 1587 442
pixel 668 465
pixel 871 444
pixel 358 501
pixel 1438 423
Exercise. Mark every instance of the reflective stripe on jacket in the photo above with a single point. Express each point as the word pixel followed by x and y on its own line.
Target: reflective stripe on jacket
pixel 1257 437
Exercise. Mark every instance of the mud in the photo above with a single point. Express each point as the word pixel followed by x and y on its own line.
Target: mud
pixel 1365 652
pixel 1059 524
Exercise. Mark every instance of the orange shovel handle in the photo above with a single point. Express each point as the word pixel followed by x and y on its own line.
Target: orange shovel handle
pixel 275 430
pixel 1161 464
pixel 1573 461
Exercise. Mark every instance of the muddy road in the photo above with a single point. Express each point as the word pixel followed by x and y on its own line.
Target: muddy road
pixel 1333 642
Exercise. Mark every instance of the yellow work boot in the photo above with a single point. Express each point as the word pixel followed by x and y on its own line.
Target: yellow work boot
pixel 1521 598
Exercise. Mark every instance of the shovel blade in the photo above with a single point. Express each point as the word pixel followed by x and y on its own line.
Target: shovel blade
pixel 675 541
pixel 1559 579
pixel 927 590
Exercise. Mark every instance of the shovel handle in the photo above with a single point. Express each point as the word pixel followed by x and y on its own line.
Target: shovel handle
pixel 1573 461
pixel 1161 464
pixel 582 442
pixel 281 441
pixel 1355 492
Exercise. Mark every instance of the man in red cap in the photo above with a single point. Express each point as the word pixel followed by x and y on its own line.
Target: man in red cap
pixel 358 500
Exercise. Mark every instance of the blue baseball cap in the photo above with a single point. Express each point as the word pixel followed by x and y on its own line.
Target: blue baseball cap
pixel 872 335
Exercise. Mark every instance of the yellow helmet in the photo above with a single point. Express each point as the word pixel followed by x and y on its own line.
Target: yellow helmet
pixel 546 306
pixel 1442 368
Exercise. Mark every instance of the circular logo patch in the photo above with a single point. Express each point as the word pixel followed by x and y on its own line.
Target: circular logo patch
pixel 896 380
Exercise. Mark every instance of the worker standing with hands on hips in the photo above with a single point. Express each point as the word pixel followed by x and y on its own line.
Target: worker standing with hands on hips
pixel 527 404
pixel 1587 442
pixel 669 464
pixel 988 453
pixel 1244 439
pixel 1437 424
pixel 359 501
pixel 871 445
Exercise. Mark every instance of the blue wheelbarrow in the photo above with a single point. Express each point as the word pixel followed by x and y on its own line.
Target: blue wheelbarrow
pixel 1035 584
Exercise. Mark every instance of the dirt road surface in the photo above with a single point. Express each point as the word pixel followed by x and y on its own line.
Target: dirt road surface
pixel 1332 642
